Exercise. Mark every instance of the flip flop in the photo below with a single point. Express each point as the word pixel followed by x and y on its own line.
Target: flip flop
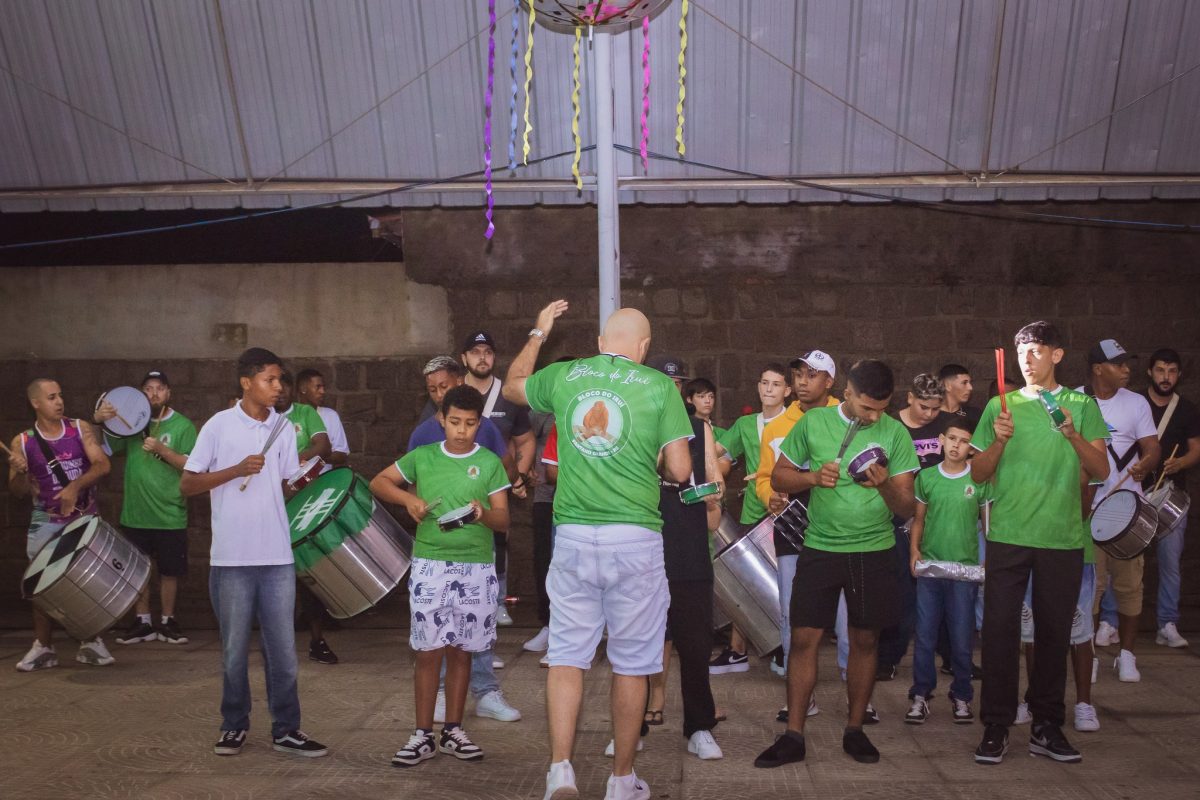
pixel 653 717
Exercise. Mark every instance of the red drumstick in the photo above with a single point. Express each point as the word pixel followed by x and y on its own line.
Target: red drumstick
pixel 1000 385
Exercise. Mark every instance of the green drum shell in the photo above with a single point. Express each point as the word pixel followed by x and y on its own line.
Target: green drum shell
pixel 1057 417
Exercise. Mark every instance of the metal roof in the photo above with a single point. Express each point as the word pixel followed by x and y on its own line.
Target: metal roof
pixel 120 92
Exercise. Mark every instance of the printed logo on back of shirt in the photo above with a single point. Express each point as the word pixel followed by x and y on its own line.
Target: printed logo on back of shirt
pixel 600 423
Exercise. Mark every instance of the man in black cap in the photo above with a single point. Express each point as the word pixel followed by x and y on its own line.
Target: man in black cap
pixel 153 511
pixel 670 366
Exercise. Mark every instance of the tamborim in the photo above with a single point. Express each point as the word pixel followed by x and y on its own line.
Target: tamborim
pixel 1124 524
pixel 306 474
pixel 873 454
pixel 1057 417
pixel 695 494
pixel 458 518
pixel 133 411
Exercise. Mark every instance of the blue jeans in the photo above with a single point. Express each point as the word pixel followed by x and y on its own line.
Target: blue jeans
pixel 1170 548
pixel 483 675
pixel 241 595
pixel 939 598
pixel 787 576
pixel 1108 604
pixel 841 629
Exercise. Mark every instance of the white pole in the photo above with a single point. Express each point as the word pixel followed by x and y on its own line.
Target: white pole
pixel 606 179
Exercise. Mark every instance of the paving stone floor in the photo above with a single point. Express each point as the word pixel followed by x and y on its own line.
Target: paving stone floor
pixel 144 728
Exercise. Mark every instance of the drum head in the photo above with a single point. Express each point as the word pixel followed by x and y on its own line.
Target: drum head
pixel 57 554
pixel 873 454
pixel 1114 515
pixel 321 501
pixel 455 518
pixel 133 409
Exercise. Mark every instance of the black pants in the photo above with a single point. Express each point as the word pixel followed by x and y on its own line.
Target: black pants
pixel 1056 578
pixel 689 619
pixel 894 640
pixel 543 549
pixel 500 543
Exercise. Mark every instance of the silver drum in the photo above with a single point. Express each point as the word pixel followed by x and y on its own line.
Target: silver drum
pixel 87 577
pixel 1171 505
pixel 728 531
pixel 746 585
pixel 1124 524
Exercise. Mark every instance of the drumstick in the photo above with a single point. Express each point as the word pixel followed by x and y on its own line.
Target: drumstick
pixel 270 441
pixel 1162 473
pixel 855 424
pixel 154 427
pixel 124 421
pixel 1000 378
pixel 1113 490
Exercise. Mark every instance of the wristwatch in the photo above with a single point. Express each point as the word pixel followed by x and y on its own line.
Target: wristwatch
pixel 538 332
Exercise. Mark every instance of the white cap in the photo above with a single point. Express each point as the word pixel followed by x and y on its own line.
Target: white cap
pixel 818 360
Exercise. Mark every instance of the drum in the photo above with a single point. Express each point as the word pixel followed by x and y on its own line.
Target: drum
pixel 1171 504
pixel 1124 524
pixel 86 577
pixel 746 585
pixel 306 474
pixel 458 518
pixel 1057 417
pixel 728 531
pixel 133 411
pixel 792 522
pixel 691 495
pixel 348 548
pixel 872 454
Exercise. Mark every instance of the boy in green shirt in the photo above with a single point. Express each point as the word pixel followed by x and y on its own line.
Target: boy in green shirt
pixel 945 529
pixel 453 589
pixel 1034 465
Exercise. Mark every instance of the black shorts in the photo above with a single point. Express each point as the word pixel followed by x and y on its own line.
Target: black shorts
pixel 869 580
pixel 168 548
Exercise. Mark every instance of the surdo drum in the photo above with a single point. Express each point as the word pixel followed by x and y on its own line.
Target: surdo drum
pixel 1124 524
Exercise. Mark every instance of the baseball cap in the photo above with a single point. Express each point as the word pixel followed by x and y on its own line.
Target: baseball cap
pixel 1108 351
pixel 156 375
pixel 818 360
pixel 670 366
pixel 478 338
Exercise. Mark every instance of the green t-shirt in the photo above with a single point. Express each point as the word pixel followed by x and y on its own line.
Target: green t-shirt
pixel 152 496
pixel 307 423
pixel 718 432
pixel 1089 546
pixel 743 441
pixel 614 416
pixel 952 517
pixel 1036 485
pixel 457 480
pixel 849 518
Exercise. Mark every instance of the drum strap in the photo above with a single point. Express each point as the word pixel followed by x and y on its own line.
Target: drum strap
pixel 51 460
pixel 1166 418
pixel 492 396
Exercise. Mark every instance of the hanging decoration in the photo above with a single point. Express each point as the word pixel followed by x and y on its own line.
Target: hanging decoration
pixel 564 17
pixel 679 145
pixel 487 119
pixel 528 85
pixel 644 150
pixel 575 111
pixel 512 76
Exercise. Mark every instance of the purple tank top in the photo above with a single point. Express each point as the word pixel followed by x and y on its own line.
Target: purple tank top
pixel 69 453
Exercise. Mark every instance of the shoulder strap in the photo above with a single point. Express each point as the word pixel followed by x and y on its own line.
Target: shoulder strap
pixel 1166 418
pixel 492 396
pixel 51 460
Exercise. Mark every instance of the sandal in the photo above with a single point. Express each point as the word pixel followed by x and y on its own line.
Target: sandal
pixel 653 717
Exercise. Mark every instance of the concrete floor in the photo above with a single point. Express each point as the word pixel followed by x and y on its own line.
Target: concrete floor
pixel 145 726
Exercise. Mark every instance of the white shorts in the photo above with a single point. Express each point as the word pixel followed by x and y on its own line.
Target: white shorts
pixel 1082 626
pixel 608 575
pixel 452 604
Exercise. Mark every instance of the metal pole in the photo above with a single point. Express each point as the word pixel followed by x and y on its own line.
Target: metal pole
pixel 608 225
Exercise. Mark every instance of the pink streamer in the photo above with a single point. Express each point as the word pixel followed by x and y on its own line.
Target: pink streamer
pixel 487 120
pixel 645 145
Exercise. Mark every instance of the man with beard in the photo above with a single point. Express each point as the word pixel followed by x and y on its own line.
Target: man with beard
pixel 153 511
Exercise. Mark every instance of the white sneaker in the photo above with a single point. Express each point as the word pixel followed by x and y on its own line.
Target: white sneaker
pixel 1169 635
pixel 1095 670
pixel 39 657
pixel 1126 667
pixel 502 617
pixel 704 746
pixel 1085 717
pixel 1107 635
pixel 544 661
pixel 539 642
pixel 560 782
pixel 630 787
pixel 611 750
pixel 495 706
pixel 813 709
pixel 497 662
pixel 94 653
pixel 1023 715
pixel 439 707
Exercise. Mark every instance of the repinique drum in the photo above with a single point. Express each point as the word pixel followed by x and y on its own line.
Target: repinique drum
pixel 458 518
pixel 691 495
pixel 1171 504
pixel 349 550
pixel 86 577
pixel 1124 524
pixel 746 585
pixel 133 411
pixel 306 474
pixel 872 454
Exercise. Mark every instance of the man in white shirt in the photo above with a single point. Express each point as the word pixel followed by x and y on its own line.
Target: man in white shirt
pixel 1133 453
pixel 242 461
pixel 310 390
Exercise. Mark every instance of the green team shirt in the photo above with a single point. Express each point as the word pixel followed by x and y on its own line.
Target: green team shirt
pixel 718 432
pixel 1036 485
pixel 743 440
pixel 850 517
pixel 152 496
pixel 307 422
pixel 456 479
pixel 614 416
pixel 952 514
pixel 1089 546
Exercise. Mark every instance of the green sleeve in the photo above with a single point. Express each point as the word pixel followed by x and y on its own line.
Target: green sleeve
pixel 731 440
pixel 116 444
pixel 1092 426
pixel 407 464
pixel 497 479
pixel 538 388
pixel 673 423
pixel 985 434
pixel 795 445
pixel 902 457
pixel 315 423
pixel 984 493
pixel 920 490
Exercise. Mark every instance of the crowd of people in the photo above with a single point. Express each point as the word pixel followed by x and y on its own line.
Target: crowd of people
pixel 904 512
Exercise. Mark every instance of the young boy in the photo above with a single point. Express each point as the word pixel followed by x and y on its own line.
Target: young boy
pixel 702 394
pixel 944 529
pixel 453 589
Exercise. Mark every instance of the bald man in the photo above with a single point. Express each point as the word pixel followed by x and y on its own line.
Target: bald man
pixel 619 424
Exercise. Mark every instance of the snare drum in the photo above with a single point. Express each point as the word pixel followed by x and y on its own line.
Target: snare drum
pixel 349 550
pixel 1171 504
pixel 133 411
pixel 873 454
pixel 458 518
pixel 86 577
pixel 306 474
pixel 691 495
pixel 1124 524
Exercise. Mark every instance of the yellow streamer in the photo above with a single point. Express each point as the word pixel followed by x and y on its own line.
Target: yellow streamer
pixel 575 111
pixel 529 83
pixel 679 145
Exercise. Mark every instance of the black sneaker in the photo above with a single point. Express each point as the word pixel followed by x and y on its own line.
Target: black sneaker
pixel 918 712
pixel 138 632
pixel 859 747
pixel 170 633
pixel 455 742
pixel 946 669
pixel 319 652
pixel 230 743
pixel 729 660
pixel 994 745
pixel 297 743
pixel 788 749
pixel 976 672
pixel 1048 740
pixel 420 747
pixel 885 673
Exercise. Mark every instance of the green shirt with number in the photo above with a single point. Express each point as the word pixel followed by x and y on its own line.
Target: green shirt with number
pixel 152 497
pixel 850 517
pixel 1036 484
pixel 952 503
pixel 307 424
pixel 614 416
pixel 743 441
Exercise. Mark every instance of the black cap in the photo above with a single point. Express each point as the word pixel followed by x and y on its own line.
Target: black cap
pixel 1108 351
pixel 156 375
pixel 478 338
pixel 670 366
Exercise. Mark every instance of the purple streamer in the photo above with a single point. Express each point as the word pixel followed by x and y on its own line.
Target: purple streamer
pixel 487 119
pixel 512 73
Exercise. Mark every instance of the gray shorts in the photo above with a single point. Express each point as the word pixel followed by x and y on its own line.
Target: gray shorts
pixel 41 530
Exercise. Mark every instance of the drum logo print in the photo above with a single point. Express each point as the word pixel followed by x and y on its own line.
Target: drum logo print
pixel 315 509
pixel 600 423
